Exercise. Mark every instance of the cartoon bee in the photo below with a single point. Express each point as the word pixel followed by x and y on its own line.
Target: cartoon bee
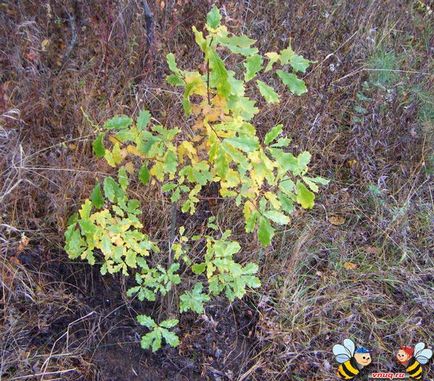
pixel 413 359
pixel 351 360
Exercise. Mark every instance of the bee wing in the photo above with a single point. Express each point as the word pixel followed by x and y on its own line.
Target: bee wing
pixel 349 344
pixel 423 356
pixel 341 353
pixel 418 347
pixel 342 358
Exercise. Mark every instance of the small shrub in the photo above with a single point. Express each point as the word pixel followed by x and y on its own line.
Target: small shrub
pixel 221 146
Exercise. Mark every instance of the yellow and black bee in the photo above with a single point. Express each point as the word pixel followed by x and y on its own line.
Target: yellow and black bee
pixel 351 360
pixel 413 359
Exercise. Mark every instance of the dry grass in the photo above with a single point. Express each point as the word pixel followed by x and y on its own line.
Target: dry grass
pixel 68 65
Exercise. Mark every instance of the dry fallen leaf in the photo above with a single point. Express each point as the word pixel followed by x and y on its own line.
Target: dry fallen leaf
pixel 352 163
pixel 337 220
pixel 14 261
pixel 44 44
pixel 129 166
pixel 350 266
pixel 372 250
pixel 32 56
pixel 23 244
pixel 303 366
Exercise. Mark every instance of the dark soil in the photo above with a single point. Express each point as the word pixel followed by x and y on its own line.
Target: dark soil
pixel 216 345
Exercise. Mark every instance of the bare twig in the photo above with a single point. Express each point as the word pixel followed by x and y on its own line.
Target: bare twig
pixel 172 236
pixel 149 23
pixel 74 36
pixel 44 374
pixel 167 12
pixel 66 334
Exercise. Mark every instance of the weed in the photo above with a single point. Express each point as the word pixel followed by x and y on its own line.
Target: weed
pixel 383 66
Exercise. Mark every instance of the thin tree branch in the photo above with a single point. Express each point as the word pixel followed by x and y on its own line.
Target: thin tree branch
pixel 74 36
pixel 149 23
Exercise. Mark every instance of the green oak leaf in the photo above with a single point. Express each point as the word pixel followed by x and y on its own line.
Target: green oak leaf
pixel 286 55
pixel 171 62
pixel 144 174
pixel 123 178
pixel 239 45
pixel 304 196
pixel 273 133
pixel 198 268
pixel 295 85
pixel 220 74
pixel 213 18
pixel 96 196
pixel 171 338
pixel 110 186
pixel 146 321
pixel 244 143
pixel 267 92
pixel 277 217
pixel 265 231
pixel 118 122
pixel 193 300
pixel 98 146
pixel 299 63
pixel 151 340
pixel 252 64
pixel 74 246
pixel 170 323
pixel 143 119
pixel 273 57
